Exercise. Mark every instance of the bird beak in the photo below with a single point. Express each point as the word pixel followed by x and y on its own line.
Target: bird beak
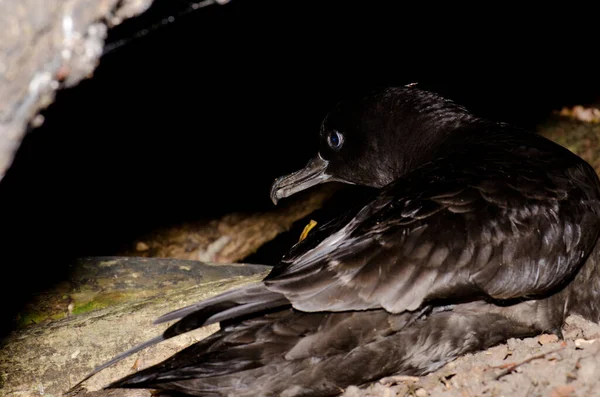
pixel 311 175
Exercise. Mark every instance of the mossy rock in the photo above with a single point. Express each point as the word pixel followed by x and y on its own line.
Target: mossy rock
pixel 117 306
pixel 98 282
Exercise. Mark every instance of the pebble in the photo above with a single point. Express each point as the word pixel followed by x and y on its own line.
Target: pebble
pixel 141 246
pixel 352 391
pixel 583 343
pixel 547 338
pixel 588 369
pixel 421 392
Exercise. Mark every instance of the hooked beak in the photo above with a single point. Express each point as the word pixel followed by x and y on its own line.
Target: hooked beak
pixel 311 175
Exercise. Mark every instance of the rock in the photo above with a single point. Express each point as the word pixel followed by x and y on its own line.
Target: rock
pixel 421 392
pixel 583 343
pixel 352 391
pixel 563 391
pixel 589 369
pixel 47 45
pixel 141 246
pixel 544 339
pixel 48 358
pixel 98 282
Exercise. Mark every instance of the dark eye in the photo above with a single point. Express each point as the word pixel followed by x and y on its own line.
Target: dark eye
pixel 335 140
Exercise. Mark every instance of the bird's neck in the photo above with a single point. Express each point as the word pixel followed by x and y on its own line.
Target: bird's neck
pixel 436 139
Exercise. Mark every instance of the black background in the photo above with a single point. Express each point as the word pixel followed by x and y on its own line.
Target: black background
pixel 198 117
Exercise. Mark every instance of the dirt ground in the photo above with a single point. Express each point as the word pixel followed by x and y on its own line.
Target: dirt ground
pixel 230 238
pixel 531 367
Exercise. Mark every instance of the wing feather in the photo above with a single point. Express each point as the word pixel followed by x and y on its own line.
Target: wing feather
pixel 507 228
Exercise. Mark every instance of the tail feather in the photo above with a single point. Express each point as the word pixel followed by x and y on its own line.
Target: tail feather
pixel 244 301
pixel 196 320
pixel 293 353
pixel 248 294
pixel 118 358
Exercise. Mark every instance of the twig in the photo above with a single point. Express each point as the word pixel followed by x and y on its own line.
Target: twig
pixel 391 380
pixel 512 367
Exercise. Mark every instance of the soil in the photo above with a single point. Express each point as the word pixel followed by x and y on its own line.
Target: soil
pixel 230 238
pixel 531 367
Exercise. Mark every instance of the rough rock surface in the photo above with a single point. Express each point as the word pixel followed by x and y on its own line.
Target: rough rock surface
pixel 46 45
pixel 51 356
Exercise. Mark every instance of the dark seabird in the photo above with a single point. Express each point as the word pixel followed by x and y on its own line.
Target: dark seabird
pixel 476 232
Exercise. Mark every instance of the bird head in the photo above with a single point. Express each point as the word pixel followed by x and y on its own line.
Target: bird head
pixel 375 139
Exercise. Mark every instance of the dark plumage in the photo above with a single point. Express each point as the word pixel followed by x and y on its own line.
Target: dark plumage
pixel 477 232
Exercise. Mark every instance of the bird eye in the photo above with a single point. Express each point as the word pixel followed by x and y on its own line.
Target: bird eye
pixel 335 140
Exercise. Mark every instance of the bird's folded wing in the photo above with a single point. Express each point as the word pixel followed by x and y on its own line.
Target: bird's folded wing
pixel 506 229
